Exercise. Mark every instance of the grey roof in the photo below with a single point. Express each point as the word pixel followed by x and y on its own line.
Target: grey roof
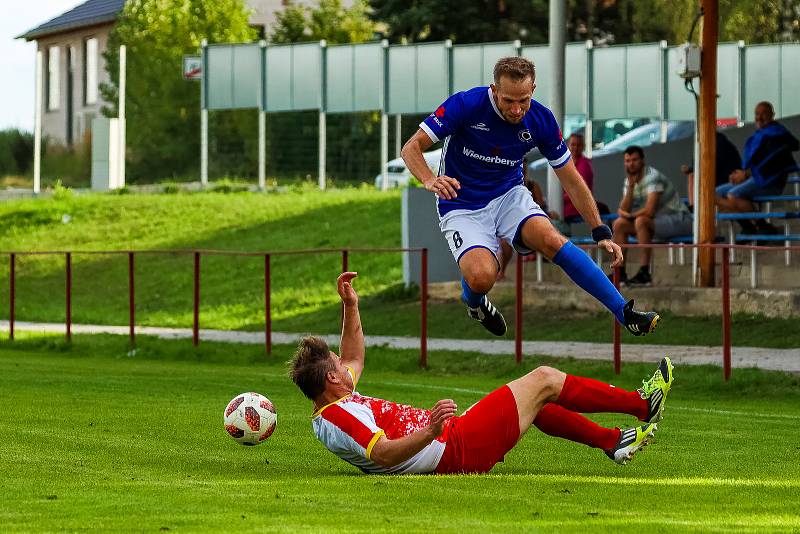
pixel 89 13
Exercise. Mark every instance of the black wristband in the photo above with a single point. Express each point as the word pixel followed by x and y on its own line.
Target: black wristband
pixel 601 232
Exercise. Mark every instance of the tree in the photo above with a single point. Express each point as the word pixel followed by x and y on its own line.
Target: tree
pixel 329 21
pixel 464 22
pixel 162 108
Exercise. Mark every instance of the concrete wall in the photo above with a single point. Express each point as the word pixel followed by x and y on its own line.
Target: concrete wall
pixel 420 228
pixel 55 123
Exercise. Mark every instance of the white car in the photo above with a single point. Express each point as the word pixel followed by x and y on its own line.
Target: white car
pixel 399 175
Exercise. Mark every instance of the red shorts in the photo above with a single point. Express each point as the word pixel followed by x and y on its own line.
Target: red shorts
pixel 481 437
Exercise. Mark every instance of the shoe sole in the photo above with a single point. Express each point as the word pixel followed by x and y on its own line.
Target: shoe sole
pixel 660 415
pixel 645 442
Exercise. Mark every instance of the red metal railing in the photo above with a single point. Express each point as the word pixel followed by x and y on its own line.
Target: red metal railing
pixel 725 290
pixel 423 361
pixel 423 358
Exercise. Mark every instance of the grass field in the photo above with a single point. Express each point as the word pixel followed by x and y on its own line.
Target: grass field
pixel 95 438
pixel 232 288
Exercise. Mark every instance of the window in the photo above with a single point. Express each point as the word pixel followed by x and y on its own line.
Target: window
pixel 90 71
pixel 53 63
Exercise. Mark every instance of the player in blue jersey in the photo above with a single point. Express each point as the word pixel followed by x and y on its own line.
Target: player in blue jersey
pixel 487 131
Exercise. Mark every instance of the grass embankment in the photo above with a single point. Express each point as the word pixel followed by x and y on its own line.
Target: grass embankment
pixel 232 296
pixel 96 439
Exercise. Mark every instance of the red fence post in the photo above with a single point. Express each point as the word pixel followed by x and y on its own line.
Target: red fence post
pixel 11 265
pixel 617 347
pixel 726 315
pixel 423 295
pixel 267 304
pixel 69 296
pixel 518 312
pixel 196 325
pixel 131 299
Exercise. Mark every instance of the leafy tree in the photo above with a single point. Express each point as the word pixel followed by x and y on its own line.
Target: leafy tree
pixel 463 22
pixel 162 108
pixel 329 20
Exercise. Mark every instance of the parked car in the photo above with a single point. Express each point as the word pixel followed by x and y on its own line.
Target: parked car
pixel 399 175
pixel 642 136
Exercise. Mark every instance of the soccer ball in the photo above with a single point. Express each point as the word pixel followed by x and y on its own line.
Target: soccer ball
pixel 250 418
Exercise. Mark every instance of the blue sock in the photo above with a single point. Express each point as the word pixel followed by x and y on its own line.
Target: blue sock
pixel 471 298
pixel 584 272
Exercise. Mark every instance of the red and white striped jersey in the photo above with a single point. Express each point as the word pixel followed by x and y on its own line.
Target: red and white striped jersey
pixel 351 426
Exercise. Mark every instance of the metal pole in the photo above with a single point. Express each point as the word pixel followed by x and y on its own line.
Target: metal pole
pixel 196 323
pixel 423 295
pixel 398 135
pixel 204 115
pixel 268 303
pixel 69 295
pixel 617 343
pixel 37 127
pixel 11 295
pixel 262 149
pixel 518 312
pixel 740 93
pixel 708 139
pixel 726 315
pixel 262 124
pixel 131 299
pixel 344 270
pixel 323 128
pixel 384 151
pixel 121 140
pixel 558 30
pixel 588 133
pixel 664 90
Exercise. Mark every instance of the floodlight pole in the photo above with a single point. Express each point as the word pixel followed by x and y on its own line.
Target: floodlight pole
pixel 204 114
pixel 558 30
pixel 708 140
pixel 37 128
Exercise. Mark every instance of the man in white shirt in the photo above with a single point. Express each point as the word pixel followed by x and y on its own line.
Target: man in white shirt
pixel 380 436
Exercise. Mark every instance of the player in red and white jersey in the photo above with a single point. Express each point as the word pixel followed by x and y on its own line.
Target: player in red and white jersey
pixel 380 436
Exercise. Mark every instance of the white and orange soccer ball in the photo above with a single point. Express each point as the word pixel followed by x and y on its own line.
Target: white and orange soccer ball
pixel 250 418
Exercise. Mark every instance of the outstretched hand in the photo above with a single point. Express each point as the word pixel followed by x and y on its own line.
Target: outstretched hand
pixel 345 287
pixel 441 412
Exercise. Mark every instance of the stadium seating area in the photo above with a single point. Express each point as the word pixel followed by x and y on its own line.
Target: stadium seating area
pixel 782 210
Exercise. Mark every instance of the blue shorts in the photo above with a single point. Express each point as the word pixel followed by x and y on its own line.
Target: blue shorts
pixel 749 189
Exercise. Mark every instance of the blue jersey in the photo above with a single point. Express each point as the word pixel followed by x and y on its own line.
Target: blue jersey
pixel 483 151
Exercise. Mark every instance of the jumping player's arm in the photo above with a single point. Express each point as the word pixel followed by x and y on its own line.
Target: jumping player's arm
pixel 351 346
pixel 437 126
pixel 552 146
pixel 390 452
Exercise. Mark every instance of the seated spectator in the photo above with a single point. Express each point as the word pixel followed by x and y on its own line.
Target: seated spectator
pixel 650 209
pixel 766 166
pixel 727 161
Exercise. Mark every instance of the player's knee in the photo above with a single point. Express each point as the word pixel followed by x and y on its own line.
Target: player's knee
pixel 481 280
pixel 619 224
pixel 643 222
pixel 548 378
pixel 552 243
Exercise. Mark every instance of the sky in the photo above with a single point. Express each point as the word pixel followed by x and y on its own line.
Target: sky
pixel 18 57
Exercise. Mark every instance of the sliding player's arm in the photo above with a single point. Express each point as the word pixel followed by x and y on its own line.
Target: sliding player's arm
pixel 390 452
pixel 351 346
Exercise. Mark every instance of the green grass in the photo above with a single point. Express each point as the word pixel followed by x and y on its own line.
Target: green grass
pixel 303 296
pixel 95 438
